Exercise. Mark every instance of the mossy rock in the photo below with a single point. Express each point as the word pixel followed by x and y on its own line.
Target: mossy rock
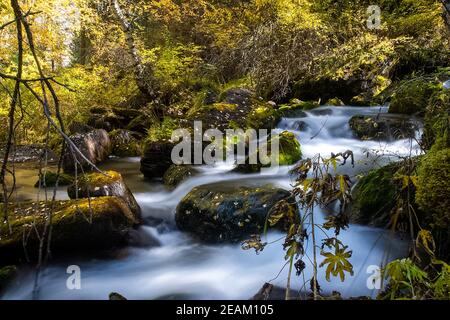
pixel 412 96
pixel 177 174
pixel 296 108
pixel 77 226
pixel 109 183
pixel 7 274
pixel 433 187
pixel 226 213
pixel 125 144
pixel 437 118
pixel 289 149
pixel 374 197
pixel 336 102
pixel 48 180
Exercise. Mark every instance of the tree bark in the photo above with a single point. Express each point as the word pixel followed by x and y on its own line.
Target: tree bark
pixel 446 13
pixel 144 78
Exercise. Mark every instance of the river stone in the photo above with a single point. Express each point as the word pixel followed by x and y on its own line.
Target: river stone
pixel 177 174
pixel 125 143
pixel 95 146
pixel 77 226
pixel 384 127
pixel 7 274
pixel 157 158
pixel 110 183
pixel 225 213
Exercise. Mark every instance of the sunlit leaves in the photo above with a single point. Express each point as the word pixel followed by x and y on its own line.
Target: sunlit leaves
pixel 254 243
pixel 337 263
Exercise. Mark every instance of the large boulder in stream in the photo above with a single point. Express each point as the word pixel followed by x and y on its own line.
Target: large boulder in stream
pixel 226 213
pixel 157 158
pixel 384 126
pixel 84 225
pixel 109 183
pixel 94 145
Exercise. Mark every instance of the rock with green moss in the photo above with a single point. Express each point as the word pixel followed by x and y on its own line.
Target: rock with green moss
pixel 109 183
pixel 48 180
pixel 437 118
pixel 125 143
pixel 433 187
pixel 226 213
pixel 177 174
pixel 374 197
pixel 289 153
pixel 289 148
pixel 77 226
pixel 384 127
pixel 335 102
pixel 7 274
pixel 296 108
pixel 412 96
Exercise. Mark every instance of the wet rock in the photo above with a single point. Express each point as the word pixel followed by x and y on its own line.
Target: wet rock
pixel 224 213
pixel 300 126
pixel 7 274
pixel 95 146
pixel 335 102
pixel 384 127
pixel 157 158
pixel 110 183
pixel 77 226
pixel 125 143
pixel 289 153
pixel 269 292
pixel 114 296
pixel 374 197
pixel 177 174
pixel 48 180
pixel 322 112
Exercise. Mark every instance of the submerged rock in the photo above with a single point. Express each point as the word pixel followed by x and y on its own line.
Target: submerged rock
pixel 125 144
pixel 177 174
pixel 76 226
pixel 224 213
pixel 384 127
pixel 49 180
pixel 95 146
pixel 110 183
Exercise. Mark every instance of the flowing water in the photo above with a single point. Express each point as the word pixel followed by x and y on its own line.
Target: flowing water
pixel 180 267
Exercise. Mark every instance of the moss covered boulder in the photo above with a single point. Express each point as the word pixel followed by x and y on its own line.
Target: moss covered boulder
pixel 374 197
pixel 384 126
pixel 335 102
pixel 226 213
pixel 110 183
pixel 433 187
pixel 411 97
pixel 125 143
pixel 289 148
pixel 94 145
pixel 177 174
pixel 49 178
pixel 77 226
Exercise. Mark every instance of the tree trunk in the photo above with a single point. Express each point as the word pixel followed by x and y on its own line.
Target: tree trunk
pixel 446 13
pixel 144 78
